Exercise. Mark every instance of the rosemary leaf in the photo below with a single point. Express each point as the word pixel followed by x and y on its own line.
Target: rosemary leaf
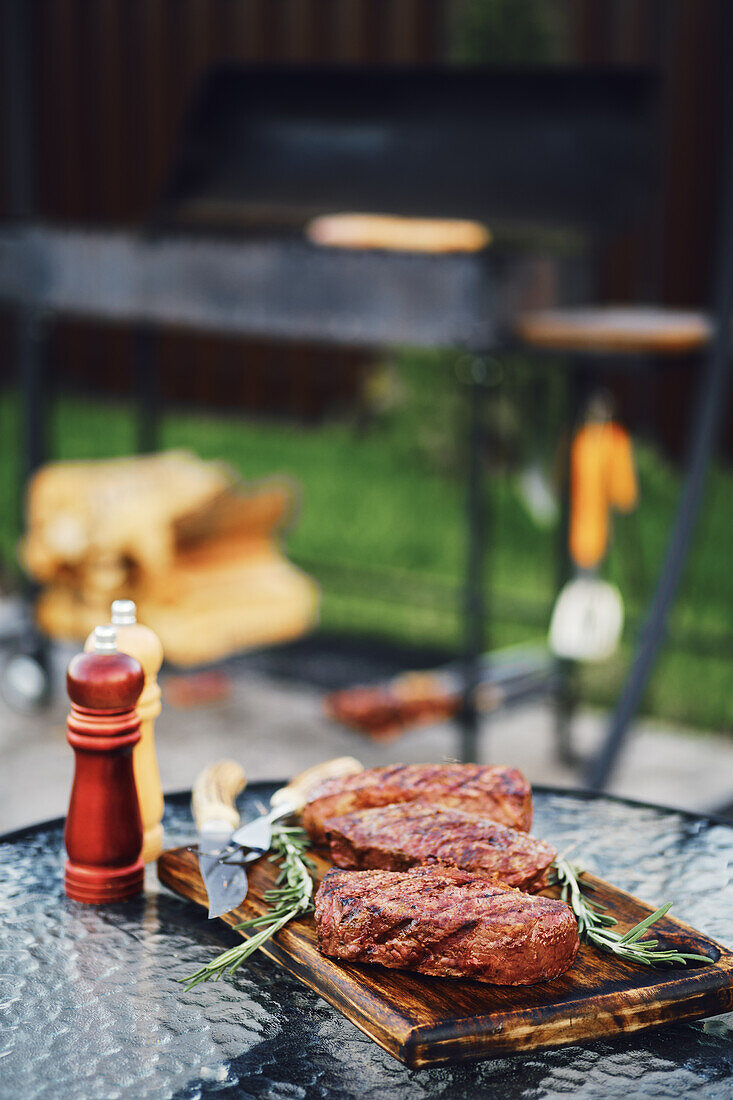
pixel 639 929
pixel 595 926
pixel 291 897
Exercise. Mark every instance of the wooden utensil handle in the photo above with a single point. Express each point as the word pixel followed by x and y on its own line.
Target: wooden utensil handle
pixel 297 791
pixel 215 792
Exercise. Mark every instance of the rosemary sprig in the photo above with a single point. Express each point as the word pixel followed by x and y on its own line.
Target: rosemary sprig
pixel 595 924
pixel 291 896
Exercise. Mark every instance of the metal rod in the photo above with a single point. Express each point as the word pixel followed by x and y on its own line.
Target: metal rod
pixel 576 397
pixel 147 389
pixel 474 659
pixel 30 351
pixel 30 324
pixel 19 170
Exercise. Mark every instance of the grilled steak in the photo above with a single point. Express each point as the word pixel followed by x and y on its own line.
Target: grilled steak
pixel 397 837
pixel 445 922
pixel 502 794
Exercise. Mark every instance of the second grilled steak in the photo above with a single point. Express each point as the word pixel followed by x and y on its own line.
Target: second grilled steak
pixel 397 837
pixel 444 922
pixel 503 794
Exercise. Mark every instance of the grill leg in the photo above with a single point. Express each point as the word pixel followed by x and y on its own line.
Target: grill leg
pixel 474 600
pixel 147 390
pixel 706 429
pixel 19 171
pixel 31 341
pixel 578 384
pixel 30 357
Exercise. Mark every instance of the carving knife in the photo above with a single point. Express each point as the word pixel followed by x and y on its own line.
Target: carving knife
pixel 291 799
pixel 216 819
pixel 214 810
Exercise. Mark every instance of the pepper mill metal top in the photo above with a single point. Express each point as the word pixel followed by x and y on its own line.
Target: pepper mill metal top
pixel 104 639
pixel 124 613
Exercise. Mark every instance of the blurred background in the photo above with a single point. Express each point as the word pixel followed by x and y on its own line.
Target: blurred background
pixel 341 489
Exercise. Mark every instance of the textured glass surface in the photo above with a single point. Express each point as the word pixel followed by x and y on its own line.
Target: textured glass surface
pixel 90 1005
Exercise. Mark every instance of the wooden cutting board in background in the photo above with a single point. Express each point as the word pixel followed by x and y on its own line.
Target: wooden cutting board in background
pixel 427 1021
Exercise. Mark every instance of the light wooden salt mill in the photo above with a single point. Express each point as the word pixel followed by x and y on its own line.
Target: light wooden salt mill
pixel 142 643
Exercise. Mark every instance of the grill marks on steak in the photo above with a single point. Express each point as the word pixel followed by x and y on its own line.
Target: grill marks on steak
pixel 445 918
pixel 444 922
pixel 399 836
pixel 502 794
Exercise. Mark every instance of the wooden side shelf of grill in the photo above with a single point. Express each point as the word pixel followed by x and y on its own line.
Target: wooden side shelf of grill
pixel 623 330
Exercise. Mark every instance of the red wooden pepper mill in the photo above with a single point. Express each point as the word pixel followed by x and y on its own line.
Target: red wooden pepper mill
pixel 104 833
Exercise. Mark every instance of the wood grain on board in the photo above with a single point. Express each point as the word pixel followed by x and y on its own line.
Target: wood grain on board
pixel 427 1021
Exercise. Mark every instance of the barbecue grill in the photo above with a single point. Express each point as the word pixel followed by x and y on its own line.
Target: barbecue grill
pixel 263 149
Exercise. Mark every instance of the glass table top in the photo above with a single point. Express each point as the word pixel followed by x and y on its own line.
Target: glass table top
pixel 91 1003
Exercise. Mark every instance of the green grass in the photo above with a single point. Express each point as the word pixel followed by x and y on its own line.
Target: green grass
pixel 382 528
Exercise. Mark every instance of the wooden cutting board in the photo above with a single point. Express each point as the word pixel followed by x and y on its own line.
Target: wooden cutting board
pixel 426 1021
